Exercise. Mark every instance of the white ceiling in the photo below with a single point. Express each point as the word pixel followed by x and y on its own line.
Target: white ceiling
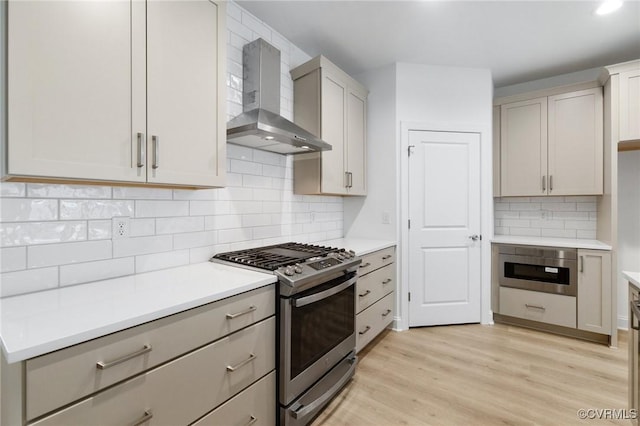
pixel 518 40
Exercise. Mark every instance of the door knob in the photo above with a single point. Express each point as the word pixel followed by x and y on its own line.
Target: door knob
pixel 475 237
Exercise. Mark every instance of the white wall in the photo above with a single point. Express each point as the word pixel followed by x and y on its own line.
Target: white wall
pixel 445 98
pixel 58 235
pixel 628 226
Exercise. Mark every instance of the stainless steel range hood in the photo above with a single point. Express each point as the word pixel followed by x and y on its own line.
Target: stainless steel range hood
pixel 260 126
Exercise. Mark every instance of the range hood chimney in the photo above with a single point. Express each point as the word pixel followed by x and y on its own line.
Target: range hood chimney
pixel 260 126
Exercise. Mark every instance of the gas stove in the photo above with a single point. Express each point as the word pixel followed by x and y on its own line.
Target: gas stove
pixel 298 266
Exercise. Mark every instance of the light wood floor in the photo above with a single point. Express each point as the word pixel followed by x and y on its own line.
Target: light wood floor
pixel 480 375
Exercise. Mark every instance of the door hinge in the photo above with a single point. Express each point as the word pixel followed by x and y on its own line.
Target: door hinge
pixel 409 296
pixel 409 223
pixel 410 150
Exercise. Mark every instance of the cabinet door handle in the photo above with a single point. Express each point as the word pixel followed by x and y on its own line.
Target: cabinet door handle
pixel 346 179
pixel 387 281
pixel 544 184
pixel 140 162
pixel 246 361
pixel 365 293
pixel 365 265
pixel 148 415
pixel 387 312
pixel 367 328
pixel 350 180
pixel 542 308
pixel 156 152
pixel 581 263
pixel 550 183
pixel 386 257
pixel 245 312
pixel 103 365
pixel 252 420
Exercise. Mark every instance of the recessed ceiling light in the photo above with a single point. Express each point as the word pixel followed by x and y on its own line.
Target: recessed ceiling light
pixel 608 6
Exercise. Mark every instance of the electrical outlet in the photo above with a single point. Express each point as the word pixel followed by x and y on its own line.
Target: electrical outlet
pixel 120 227
pixel 385 218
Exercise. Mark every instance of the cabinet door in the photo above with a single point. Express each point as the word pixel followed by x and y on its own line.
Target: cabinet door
pixel 185 113
pixel 75 89
pixel 594 291
pixel 333 97
pixel 630 105
pixel 496 151
pixel 576 143
pixel 356 142
pixel 523 137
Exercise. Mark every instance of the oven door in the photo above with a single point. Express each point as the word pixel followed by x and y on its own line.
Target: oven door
pixel 317 330
pixel 539 274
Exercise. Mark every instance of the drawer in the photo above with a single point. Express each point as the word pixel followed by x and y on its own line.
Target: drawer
pixel 183 390
pixel 377 259
pixel 373 320
pixel 375 285
pixel 536 306
pixel 64 376
pixel 255 406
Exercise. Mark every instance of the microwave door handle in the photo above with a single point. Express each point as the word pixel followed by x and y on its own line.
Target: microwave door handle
pixel 323 294
pixel 305 410
pixel 634 311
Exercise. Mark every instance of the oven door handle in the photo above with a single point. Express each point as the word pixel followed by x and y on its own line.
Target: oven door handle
pixel 634 311
pixel 309 408
pixel 323 294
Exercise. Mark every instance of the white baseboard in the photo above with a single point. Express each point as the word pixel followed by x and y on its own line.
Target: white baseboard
pixel 623 323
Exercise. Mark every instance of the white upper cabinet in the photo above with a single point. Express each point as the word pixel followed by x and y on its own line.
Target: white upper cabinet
pixel 117 91
pixel 553 145
pixel 575 143
pixel 630 105
pixel 333 106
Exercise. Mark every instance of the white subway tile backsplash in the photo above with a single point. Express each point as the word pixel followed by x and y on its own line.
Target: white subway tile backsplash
pixel 64 232
pixel 94 209
pixel 65 253
pixel 28 233
pixel 100 229
pixel 562 217
pixel 175 225
pixel 194 239
pixel 13 259
pixel 27 209
pixel 154 262
pixel 94 271
pixel 142 245
pixel 137 193
pixel 36 190
pixel 29 281
pixel 161 208
pixel 12 189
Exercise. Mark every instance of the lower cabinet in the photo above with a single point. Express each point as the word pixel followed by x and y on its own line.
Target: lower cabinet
pixel 594 291
pixel 536 306
pixel 375 291
pixel 214 364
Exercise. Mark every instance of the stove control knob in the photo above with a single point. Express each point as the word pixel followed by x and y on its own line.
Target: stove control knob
pixel 288 271
pixel 341 256
pixel 297 269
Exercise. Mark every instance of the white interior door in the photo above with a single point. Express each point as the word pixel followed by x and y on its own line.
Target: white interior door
pixel 444 210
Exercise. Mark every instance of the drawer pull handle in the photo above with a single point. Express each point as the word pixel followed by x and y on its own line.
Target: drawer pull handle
pixel 238 314
pixel 367 328
pixel 388 311
pixel 387 281
pixel 246 361
pixel 386 257
pixel 101 365
pixel 148 415
pixel 542 308
pixel 365 293
pixel 364 265
pixel 252 420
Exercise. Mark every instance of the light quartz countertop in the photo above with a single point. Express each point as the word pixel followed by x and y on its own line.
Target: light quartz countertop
pixel 551 242
pixel 38 323
pixel 360 246
pixel 632 277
